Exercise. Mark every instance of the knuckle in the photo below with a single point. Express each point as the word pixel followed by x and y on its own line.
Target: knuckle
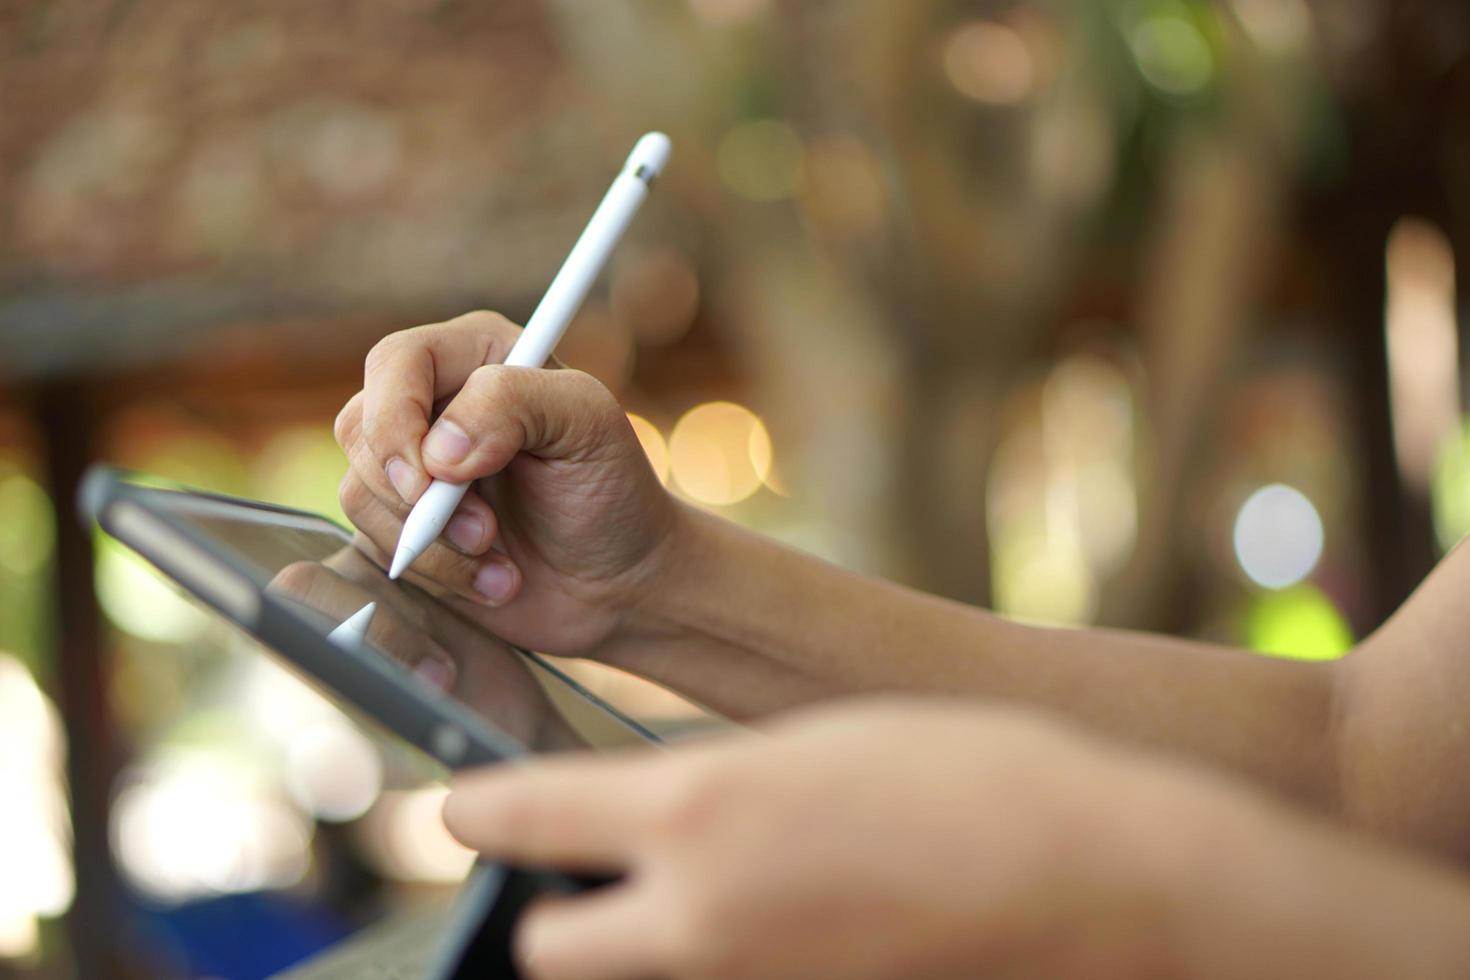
pixel 586 388
pixel 448 567
pixel 692 807
pixel 493 384
pixel 493 330
pixel 385 349
pixel 577 378
pixel 483 319
pixel 378 433
pixel 353 494
pixel 596 404
pixel 494 398
pixel 297 578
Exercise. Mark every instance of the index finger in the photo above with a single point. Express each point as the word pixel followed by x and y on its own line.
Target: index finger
pixel 581 813
pixel 408 371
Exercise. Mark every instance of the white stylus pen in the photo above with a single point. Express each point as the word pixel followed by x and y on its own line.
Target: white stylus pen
pixel 562 300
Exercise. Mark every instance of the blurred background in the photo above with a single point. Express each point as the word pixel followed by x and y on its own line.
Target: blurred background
pixel 1140 313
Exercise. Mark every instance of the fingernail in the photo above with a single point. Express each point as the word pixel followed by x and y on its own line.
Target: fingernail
pixel 494 582
pixel 438 673
pixel 405 479
pixel 465 531
pixel 447 442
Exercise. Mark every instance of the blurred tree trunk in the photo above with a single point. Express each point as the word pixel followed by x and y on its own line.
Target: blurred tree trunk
pixel 886 354
pixel 1216 233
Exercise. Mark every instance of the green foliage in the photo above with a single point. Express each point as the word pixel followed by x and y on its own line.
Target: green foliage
pixel 27 553
pixel 1449 490
pixel 1299 623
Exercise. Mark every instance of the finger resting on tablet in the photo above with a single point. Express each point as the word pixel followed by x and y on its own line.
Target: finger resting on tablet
pixel 575 813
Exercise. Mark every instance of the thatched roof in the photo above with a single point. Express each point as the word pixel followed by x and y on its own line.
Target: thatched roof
pixel 168 166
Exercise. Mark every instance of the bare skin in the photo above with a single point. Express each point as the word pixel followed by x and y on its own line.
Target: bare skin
pixel 931 839
pixel 569 545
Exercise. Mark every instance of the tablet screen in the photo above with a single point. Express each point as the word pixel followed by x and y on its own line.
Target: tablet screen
pixel 313 566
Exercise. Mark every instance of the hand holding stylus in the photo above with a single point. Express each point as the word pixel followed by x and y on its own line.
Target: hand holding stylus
pixel 574 529
pixel 433 512
pixel 581 528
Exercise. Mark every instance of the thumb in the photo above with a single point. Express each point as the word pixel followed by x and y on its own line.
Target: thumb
pixel 502 411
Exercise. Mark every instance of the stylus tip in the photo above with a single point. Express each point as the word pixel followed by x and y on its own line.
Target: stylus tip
pixel 402 558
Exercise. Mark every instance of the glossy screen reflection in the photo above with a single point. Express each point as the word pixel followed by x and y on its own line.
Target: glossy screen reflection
pixel 315 567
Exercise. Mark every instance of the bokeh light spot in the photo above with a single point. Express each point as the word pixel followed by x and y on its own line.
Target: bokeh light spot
pixel 1172 55
pixel 405 837
pixel 1299 623
pixel 843 194
pixel 657 294
pixel 302 467
pixel 34 830
pixel 1281 27
pixel 990 63
pixel 1422 337
pixel 1278 536
pixel 196 458
pixel 600 343
pixel 762 160
pixel 20 935
pixel 196 822
pixel 333 771
pixel 1036 580
pixel 28 532
pixel 719 453
pixel 140 601
pixel 654 446
pixel 729 12
pixel 1450 488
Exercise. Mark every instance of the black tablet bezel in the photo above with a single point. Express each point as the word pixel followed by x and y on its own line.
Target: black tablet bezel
pixel 384 691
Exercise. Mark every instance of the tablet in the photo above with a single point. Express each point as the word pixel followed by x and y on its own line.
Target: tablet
pixel 423 673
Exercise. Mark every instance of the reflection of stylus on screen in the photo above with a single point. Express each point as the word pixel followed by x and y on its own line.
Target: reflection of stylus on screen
pixel 354 628
pixel 553 314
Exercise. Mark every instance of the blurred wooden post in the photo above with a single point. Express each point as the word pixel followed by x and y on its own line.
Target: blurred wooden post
pixel 67 420
pixel 1218 232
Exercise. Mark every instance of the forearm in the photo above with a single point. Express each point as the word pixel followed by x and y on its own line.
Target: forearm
pixel 747 626
pixel 1254 890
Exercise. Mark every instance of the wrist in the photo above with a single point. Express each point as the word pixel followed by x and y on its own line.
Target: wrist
pixel 723 618
pixel 649 621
